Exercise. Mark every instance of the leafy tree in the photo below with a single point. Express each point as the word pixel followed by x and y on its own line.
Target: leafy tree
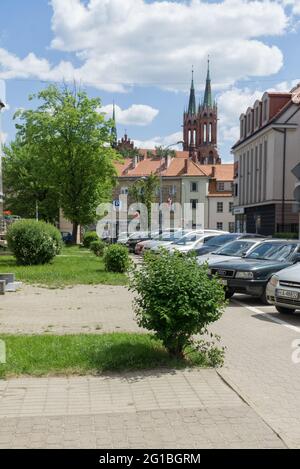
pixel 27 185
pixel 71 140
pixel 143 191
pixel 163 153
pixel 176 299
pixel 129 152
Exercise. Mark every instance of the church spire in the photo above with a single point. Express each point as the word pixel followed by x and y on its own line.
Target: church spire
pixel 113 132
pixel 192 100
pixel 208 95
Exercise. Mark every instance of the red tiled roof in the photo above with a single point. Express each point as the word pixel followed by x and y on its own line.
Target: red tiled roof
pixel 180 165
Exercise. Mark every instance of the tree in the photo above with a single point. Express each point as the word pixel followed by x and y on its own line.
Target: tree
pixel 129 152
pixel 72 142
pixel 143 191
pixel 26 184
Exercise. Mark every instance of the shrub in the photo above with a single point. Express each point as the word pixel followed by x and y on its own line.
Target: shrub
pixel 34 242
pixel 116 258
pixel 176 299
pixel 97 247
pixel 89 237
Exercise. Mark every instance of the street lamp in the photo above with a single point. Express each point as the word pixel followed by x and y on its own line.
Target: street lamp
pixel 2 106
pixel 161 179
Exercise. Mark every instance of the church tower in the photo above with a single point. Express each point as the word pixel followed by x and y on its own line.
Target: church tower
pixel 200 126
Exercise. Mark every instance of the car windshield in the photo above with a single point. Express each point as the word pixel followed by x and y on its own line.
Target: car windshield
pixel 235 248
pixel 272 251
pixel 220 240
pixel 189 239
pixel 139 235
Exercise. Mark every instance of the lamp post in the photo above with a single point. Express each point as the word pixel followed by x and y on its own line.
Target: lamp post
pixel 2 106
pixel 161 180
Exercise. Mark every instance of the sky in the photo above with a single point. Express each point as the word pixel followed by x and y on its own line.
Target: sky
pixel 139 54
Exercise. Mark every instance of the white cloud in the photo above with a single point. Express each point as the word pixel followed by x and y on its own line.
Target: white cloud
pixel 124 42
pixel 160 141
pixel 295 5
pixel 137 114
pixel 3 137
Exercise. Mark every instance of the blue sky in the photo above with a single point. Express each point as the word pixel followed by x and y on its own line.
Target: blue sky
pixel 139 54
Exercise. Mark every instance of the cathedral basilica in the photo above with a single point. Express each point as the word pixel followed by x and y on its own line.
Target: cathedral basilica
pixel 200 126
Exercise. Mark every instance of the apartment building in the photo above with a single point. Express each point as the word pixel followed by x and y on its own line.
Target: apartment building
pixel 267 151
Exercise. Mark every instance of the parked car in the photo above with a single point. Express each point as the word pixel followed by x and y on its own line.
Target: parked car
pixel 164 240
pixel 66 237
pixel 140 246
pixel 219 241
pixel 231 251
pixel 283 290
pixel 136 238
pixel 193 240
pixel 123 238
pixel 251 274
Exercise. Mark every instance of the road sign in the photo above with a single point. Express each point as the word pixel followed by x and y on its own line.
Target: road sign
pixel 117 204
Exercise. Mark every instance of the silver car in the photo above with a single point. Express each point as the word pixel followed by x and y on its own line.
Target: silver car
pixel 193 240
pixel 164 240
pixel 233 250
pixel 283 289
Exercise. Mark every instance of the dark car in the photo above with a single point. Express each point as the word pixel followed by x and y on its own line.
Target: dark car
pixel 218 241
pixel 251 274
pixel 66 237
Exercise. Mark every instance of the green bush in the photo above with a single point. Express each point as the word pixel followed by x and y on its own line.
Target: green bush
pixel 286 235
pixel 176 299
pixel 89 237
pixel 33 242
pixel 97 247
pixel 116 258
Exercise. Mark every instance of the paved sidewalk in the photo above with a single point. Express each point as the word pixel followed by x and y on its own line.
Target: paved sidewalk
pixel 259 365
pixel 79 309
pixel 167 409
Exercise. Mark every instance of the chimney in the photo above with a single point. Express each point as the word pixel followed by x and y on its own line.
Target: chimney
pixel 213 172
pixel 135 161
pixel 168 160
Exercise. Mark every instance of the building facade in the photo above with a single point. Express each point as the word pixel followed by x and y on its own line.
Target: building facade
pixel 200 126
pixel 183 181
pixel 267 151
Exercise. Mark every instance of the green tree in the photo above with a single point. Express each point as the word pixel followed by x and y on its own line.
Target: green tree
pixel 129 152
pixel 143 191
pixel 72 142
pixel 26 184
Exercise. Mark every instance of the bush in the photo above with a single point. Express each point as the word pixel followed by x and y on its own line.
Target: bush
pixel 116 258
pixel 176 299
pixel 89 237
pixel 34 242
pixel 97 247
pixel 286 235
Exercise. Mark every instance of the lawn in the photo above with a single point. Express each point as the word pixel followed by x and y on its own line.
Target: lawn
pixel 83 354
pixel 74 266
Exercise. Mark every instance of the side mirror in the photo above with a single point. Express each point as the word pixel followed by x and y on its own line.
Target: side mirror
pixel 296 258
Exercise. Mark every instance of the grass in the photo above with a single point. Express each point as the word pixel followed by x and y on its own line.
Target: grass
pixel 42 355
pixel 74 266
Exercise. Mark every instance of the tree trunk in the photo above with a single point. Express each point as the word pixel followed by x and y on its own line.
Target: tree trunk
pixel 74 233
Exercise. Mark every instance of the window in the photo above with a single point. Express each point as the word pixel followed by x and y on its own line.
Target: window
pixel 231 226
pixel 220 186
pixel 194 203
pixel 219 225
pixel 210 133
pixel 220 207
pixel 230 207
pixel 265 104
pixel 205 133
pixel 124 190
pixel 194 187
pixel 172 190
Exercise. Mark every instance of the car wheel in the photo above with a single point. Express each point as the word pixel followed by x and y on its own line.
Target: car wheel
pixel 264 298
pixel 283 310
pixel 229 292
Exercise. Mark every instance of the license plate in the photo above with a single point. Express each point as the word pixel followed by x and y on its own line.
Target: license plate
pixel 224 282
pixel 287 294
